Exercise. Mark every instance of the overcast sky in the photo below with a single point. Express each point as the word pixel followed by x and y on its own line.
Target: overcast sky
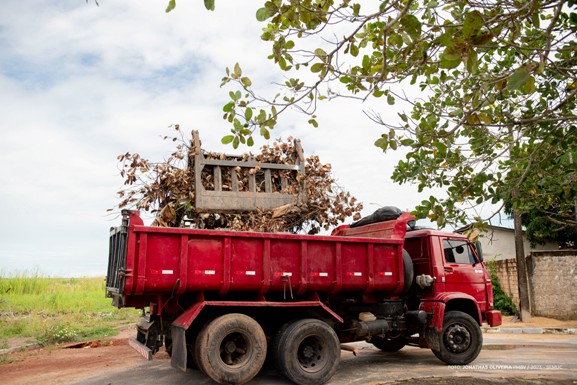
pixel 82 83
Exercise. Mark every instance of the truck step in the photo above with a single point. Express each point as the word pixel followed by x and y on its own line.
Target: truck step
pixel 144 350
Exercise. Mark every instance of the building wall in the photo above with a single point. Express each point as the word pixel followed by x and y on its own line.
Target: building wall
pixel 553 283
pixel 499 244
pixel 506 270
pixel 552 277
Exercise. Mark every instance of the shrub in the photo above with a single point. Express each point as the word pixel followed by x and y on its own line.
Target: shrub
pixel 57 334
pixel 501 301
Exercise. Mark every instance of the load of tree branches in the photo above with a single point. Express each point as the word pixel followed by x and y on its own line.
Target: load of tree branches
pixel 167 190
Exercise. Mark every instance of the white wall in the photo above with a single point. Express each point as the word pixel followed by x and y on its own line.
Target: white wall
pixel 499 243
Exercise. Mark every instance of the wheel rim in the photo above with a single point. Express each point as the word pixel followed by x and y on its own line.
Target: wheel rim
pixel 235 349
pixel 311 356
pixel 457 338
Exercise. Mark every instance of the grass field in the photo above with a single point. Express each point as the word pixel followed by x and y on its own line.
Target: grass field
pixel 56 310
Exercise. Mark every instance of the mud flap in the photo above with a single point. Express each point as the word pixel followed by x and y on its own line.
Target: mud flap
pixel 432 339
pixel 179 353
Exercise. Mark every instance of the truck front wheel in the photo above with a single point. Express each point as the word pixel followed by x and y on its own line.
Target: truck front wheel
pixel 231 349
pixel 460 340
pixel 307 352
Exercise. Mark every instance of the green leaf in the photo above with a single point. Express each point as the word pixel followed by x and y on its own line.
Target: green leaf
pixel 209 4
pixel 248 114
pixel 412 26
pixel 320 53
pixel 395 40
pixel 472 62
pixel 227 139
pixel 366 62
pixel 390 99
pixel 264 13
pixel 282 63
pixel 472 24
pixel 407 142
pixel 317 67
pixel 235 142
pixel 529 86
pixel 448 63
pixel 382 143
pixel 250 141
pixel 313 122
pixel 237 71
pixel 354 50
pixel 264 133
pixel 228 107
pixel 246 81
pixel 171 5
pixel 518 79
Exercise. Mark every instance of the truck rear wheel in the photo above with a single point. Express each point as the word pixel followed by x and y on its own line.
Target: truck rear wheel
pixel 307 351
pixel 460 340
pixel 231 349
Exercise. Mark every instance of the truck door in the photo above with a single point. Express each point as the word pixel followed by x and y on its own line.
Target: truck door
pixel 462 272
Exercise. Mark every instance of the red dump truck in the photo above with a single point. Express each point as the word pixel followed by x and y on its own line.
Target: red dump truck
pixel 223 301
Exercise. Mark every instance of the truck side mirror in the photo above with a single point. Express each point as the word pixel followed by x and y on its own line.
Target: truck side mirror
pixel 479 249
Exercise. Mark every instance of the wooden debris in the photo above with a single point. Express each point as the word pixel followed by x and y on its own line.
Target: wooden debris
pixel 167 188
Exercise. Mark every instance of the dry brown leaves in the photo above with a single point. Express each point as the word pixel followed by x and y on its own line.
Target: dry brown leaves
pixel 167 189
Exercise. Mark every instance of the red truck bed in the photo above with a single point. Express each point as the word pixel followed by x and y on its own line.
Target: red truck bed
pixel 173 261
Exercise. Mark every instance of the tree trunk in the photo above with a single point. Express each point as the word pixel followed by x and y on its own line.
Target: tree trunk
pixel 525 308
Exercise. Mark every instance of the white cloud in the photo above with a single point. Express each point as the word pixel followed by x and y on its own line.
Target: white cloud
pixel 81 84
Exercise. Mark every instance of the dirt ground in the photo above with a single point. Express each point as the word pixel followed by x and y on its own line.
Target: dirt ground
pixel 537 322
pixel 69 363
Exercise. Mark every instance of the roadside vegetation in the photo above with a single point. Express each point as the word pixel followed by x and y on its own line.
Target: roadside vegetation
pixel 501 300
pixel 56 310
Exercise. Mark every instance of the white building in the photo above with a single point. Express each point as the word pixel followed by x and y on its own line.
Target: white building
pixel 498 243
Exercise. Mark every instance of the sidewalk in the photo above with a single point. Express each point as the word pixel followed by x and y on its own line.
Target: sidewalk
pixel 538 325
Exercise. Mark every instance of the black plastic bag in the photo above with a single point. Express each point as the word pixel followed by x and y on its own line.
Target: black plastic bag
pixel 386 213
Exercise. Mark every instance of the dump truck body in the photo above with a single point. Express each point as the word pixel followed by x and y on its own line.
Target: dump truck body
pixel 218 290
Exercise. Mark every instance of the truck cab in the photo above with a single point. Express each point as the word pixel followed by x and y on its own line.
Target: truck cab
pixel 459 277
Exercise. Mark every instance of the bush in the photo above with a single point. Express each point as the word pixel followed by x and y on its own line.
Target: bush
pixel 57 334
pixel 501 301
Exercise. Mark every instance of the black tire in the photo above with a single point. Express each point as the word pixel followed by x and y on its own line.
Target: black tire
pixel 409 271
pixel 460 340
pixel 231 349
pixel 168 346
pixel 307 352
pixel 388 345
pixel 191 361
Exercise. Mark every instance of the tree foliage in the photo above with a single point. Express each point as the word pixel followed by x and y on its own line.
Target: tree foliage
pixel 496 84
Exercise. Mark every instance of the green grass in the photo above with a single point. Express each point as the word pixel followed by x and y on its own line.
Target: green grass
pixel 55 310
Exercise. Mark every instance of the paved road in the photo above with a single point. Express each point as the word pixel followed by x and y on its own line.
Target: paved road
pixel 539 359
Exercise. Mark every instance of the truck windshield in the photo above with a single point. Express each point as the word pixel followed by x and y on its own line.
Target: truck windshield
pixel 458 251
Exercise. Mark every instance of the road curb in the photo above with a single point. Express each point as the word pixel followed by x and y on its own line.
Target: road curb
pixel 513 330
pixel 22 348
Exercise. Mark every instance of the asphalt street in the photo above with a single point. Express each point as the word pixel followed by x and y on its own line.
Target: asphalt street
pixel 505 358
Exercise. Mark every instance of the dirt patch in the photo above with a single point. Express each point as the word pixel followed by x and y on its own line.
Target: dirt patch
pixel 537 322
pixel 68 363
